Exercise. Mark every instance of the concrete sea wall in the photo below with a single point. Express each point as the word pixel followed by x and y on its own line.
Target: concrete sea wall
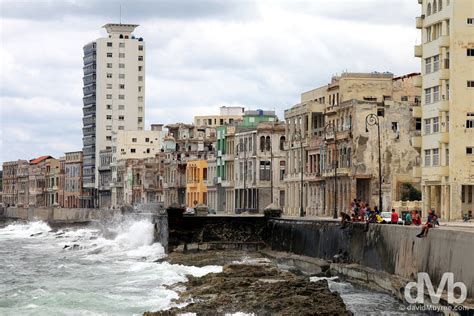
pixel 53 215
pixel 390 248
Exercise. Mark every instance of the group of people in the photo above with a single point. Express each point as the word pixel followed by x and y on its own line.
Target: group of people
pixel 360 211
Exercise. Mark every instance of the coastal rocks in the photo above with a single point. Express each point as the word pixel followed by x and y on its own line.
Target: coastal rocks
pixel 261 289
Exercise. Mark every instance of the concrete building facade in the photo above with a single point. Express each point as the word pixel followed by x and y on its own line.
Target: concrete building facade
pixel 196 182
pixel 73 179
pixel 447 111
pixel 114 94
pixel 227 115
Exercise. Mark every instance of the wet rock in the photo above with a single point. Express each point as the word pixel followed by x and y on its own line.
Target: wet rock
pixel 36 234
pixel 261 289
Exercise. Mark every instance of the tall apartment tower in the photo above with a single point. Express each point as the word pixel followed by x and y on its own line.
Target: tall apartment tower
pixel 114 95
pixel 446 142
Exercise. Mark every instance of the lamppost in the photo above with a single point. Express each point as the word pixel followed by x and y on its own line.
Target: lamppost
pixel 371 120
pixel 334 162
pixel 242 148
pixel 299 137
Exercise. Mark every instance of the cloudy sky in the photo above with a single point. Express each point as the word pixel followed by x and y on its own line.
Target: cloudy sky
pixel 201 54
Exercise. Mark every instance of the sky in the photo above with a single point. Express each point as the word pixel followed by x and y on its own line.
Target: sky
pixel 201 54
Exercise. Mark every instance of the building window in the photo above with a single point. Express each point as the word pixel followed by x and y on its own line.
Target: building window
pixel 121 107
pixel 109 65
pixel 121 86
pixel 109 75
pixel 427 126
pixel 428 65
pixel 140 78
pixel 121 44
pixel 140 68
pixel 148 150
pixel 470 52
pixel 109 54
pixel 108 127
pixel 140 109
pixel 121 55
pixel 121 97
pixel 265 171
pixel 418 124
pixel 140 119
pixel 435 157
pixel 147 139
pixel 436 125
pixel 140 99
pixel 140 58
pixel 140 47
pixel 428 9
pixel 470 21
pixel 436 63
pixel 447 156
pixel 108 138
pixel 109 96
pixel 109 106
pixel 470 120
pixel 435 7
pixel 440 5
pixel 121 65
pixel 140 89
pixel 470 84
pixel 427 157
pixel 109 117
pixel 428 96
pixel 121 117
pixel 109 86
pixel 132 150
pixel 121 128
pixel 469 150
pixel 404 98
pixel 109 44
pixel 436 94
pixel 134 140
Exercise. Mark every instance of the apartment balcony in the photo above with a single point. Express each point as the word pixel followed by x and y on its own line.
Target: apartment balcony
pixel 444 41
pixel 416 141
pixel 418 81
pixel 435 173
pixel 343 171
pixel 443 138
pixel 417 111
pixel 443 106
pixel 227 183
pixel 416 173
pixel 419 22
pixel 316 176
pixel 444 74
pixel 418 51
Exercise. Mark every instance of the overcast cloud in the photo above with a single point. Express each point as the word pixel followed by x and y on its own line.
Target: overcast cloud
pixel 200 55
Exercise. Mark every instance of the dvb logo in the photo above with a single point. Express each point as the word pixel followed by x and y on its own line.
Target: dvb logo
pixel 424 281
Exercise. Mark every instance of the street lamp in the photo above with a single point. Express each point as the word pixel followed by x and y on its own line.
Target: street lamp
pixel 371 120
pixel 334 162
pixel 242 148
pixel 299 137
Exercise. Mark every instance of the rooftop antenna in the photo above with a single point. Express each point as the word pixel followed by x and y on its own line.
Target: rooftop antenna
pixel 120 16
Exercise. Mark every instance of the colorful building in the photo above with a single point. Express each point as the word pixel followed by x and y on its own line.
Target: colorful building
pixel 196 177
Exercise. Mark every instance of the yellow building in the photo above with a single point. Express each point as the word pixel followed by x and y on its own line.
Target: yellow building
pixel 196 177
pixel 446 143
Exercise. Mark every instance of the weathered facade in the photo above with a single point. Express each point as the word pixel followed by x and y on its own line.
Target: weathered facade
pixel 73 179
pixel 105 178
pixel 37 188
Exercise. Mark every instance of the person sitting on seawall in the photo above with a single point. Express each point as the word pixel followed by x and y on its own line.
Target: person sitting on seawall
pixel 416 218
pixel 371 218
pixel 430 223
pixel 408 220
pixel 344 219
pixel 394 217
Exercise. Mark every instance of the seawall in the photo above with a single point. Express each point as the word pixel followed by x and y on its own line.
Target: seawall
pixel 389 248
pixel 53 214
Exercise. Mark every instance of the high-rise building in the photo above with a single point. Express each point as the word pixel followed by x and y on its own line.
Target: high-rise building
pixel 114 94
pixel 447 112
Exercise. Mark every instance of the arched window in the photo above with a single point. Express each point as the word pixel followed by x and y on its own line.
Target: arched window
pixel 282 143
pixel 121 36
pixel 428 9
pixel 440 5
pixel 435 6
pixel 268 144
pixel 262 143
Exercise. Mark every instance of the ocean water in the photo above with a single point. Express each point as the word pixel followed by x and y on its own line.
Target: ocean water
pixel 86 271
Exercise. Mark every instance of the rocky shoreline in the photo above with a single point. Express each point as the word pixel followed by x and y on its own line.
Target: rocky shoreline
pixel 249 284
